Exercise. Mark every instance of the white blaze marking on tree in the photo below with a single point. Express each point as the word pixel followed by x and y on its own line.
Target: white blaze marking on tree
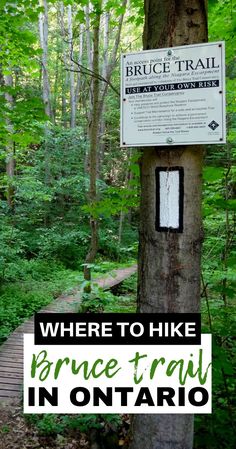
pixel 169 199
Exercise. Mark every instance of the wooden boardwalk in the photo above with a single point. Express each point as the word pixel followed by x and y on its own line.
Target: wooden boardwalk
pixel 11 352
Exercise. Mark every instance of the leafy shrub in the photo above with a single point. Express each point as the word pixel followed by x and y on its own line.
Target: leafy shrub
pixel 96 300
pixel 65 245
pixel 110 247
pixel 37 283
pixel 49 424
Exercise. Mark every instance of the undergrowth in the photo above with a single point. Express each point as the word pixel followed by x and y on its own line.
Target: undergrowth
pixel 37 284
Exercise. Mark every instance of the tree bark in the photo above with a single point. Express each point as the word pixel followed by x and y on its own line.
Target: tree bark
pixel 10 157
pixel 169 263
pixel 169 270
pixel 78 82
pixel 122 213
pixel 109 64
pixel 43 33
pixel 56 71
pixel 93 134
pixel 90 67
pixel 72 74
pixel 104 74
pixel 65 82
pixel 88 37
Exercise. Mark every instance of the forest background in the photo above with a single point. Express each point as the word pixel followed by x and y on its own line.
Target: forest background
pixel 69 195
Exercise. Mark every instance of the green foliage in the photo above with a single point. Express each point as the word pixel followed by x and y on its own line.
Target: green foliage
pixel 210 431
pixel 129 285
pixel 16 39
pixel 110 246
pixel 138 16
pixel 120 298
pixel 34 284
pixel 19 52
pixel 115 200
pixel 49 425
pixel 225 9
pixel 53 225
pixel 68 246
pixel 11 249
pixel 122 304
pixel 96 300
pixel 87 422
pixel 4 429
pixel 218 305
pixel 219 252
pixel 125 297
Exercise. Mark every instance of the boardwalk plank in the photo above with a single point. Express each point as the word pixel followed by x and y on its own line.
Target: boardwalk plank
pixel 11 352
pixel 8 394
pixel 10 381
pixel 11 387
pixel 8 374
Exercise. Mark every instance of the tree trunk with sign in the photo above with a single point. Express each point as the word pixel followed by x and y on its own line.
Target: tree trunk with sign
pixel 169 263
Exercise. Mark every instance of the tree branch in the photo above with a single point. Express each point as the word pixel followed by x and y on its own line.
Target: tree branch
pixel 86 71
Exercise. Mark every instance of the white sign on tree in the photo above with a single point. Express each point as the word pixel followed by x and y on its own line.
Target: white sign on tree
pixel 173 96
